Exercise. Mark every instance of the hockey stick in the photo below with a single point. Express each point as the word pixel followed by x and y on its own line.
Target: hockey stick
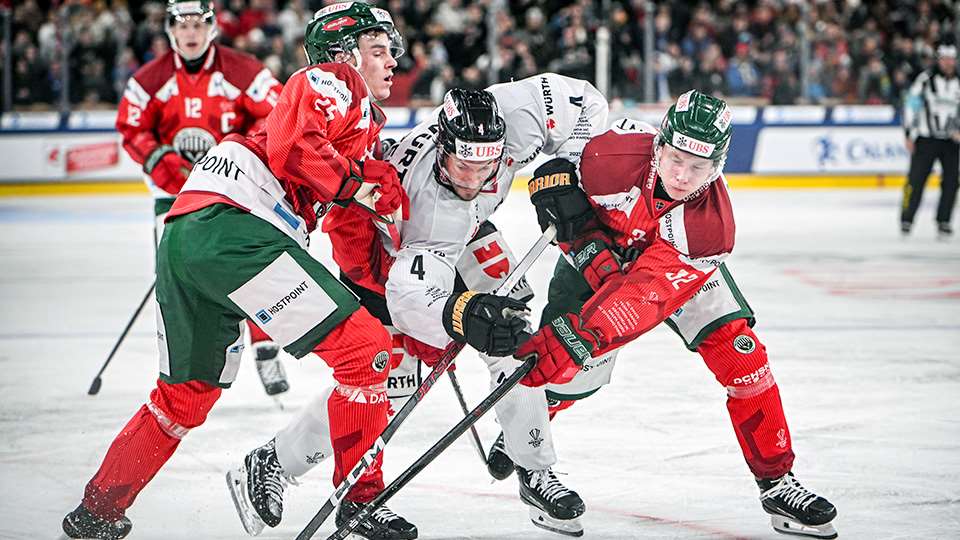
pixel 463 405
pixel 97 381
pixel 442 364
pixel 435 450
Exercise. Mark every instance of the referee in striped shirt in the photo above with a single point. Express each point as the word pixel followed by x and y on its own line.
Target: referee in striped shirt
pixel 930 117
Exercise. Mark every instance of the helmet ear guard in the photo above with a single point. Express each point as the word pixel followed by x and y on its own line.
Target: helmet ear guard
pixel 178 11
pixel 337 29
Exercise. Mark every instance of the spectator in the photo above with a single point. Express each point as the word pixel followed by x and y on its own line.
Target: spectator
pixel 743 77
pixel 874 86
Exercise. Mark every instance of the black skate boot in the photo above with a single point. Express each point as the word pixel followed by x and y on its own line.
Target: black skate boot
pixel 257 487
pixel 796 510
pixel 905 227
pixel 272 374
pixel 944 230
pixel 499 463
pixel 552 506
pixel 382 524
pixel 82 524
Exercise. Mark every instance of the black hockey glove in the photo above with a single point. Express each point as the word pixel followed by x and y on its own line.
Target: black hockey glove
pixel 490 324
pixel 556 194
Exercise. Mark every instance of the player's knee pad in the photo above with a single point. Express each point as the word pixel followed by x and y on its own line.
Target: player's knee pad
pixel 182 406
pixel 358 350
pixel 738 360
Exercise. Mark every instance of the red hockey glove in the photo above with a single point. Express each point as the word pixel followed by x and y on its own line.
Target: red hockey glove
pixel 167 168
pixel 594 259
pixel 375 186
pixel 392 196
pixel 560 348
pixel 428 354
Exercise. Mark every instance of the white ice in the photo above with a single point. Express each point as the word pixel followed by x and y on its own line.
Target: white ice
pixel 862 329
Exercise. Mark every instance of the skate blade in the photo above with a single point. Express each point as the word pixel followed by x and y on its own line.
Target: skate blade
pixel 788 526
pixel 237 484
pixel 567 527
pixel 277 402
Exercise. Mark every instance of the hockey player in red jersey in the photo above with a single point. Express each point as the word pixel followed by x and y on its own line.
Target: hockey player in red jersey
pixel 179 105
pixel 234 248
pixel 646 229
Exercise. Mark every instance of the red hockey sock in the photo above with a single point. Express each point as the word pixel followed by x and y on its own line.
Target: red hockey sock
pixel 145 444
pixel 739 362
pixel 357 417
pixel 358 350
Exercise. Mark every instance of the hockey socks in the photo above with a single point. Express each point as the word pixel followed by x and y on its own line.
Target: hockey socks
pixel 739 362
pixel 357 417
pixel 305 442
pixel 145 444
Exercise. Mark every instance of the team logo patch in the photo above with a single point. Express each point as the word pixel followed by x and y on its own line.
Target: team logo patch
pixel 192 143
pixel 744 344
pixel 380 361
pixel 535 439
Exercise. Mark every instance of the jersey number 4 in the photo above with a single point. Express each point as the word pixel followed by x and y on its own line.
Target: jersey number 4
pixel 417 267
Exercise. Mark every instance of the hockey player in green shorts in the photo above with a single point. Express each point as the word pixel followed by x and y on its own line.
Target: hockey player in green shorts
pixel 234 248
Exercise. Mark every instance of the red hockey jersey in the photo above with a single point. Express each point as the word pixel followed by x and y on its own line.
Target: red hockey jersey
pixel 681 243
pixel 323 124
pixel 164 104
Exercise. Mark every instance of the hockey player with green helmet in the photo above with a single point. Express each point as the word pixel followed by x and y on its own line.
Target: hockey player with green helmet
pixel 234 247
pixel 647 227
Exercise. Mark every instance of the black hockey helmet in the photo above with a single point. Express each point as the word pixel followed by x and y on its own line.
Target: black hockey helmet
pixel 470 129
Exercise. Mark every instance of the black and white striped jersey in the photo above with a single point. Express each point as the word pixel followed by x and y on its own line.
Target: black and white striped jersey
pixel 932 106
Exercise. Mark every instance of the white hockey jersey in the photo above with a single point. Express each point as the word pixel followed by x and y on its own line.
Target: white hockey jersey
pixel 549 114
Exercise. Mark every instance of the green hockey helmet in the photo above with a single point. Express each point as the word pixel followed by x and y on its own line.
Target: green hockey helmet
pixel 179 10
pixel 336 28
pixel 699 124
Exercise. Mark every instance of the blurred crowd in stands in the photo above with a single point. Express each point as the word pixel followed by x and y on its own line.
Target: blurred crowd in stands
pixel 859 51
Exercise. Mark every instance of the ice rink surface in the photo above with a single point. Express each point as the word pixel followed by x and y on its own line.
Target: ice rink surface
pixel 862 329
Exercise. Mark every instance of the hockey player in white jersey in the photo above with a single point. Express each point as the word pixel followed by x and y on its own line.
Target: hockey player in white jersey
pixel 457 168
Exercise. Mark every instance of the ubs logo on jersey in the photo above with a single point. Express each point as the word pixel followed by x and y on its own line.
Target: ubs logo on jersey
pixel 193 143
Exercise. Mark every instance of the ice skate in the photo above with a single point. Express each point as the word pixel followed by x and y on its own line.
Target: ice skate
pixel 796 510
pixel 269 367
pixel 382 524
pixel 905 227
pixel 499 463
pixel 944 231
pixel 257 487
pixel 82 524
pixel 552 506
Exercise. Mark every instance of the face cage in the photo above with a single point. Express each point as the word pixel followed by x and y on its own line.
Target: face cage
pixel 445 180
pixel 208 18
